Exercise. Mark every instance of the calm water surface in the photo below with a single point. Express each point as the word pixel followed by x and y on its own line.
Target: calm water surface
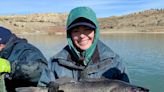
pixel 142 53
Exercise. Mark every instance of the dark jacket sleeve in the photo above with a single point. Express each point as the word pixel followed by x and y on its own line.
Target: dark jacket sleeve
pixel 124 75
pixel 53 72
pixel 47 76
pixel 118 71
pixel 29 65
pixel 114 67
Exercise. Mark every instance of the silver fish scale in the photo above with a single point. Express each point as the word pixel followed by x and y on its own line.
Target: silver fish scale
pixel 87 86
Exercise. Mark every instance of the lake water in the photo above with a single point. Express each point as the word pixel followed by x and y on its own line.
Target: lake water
pixel 142 53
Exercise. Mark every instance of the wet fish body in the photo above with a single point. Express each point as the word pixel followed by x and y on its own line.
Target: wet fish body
pixel 100 85
pixel 31 89
pixel 89 86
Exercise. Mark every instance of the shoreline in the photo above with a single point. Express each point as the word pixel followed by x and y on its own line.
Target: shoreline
pixel 101 33
pixel 127 32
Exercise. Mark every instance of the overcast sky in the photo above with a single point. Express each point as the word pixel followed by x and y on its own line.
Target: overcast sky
pixel 103 8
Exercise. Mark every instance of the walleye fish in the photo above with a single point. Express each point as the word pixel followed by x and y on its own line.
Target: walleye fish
pixel 89 85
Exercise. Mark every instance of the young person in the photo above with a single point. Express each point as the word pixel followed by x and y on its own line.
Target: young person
pixel 85 56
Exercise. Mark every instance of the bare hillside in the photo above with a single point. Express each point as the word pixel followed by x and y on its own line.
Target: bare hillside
pixel 145 21
pixel 34 23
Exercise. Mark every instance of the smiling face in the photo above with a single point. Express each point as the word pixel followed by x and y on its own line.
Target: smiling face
pixel 82 37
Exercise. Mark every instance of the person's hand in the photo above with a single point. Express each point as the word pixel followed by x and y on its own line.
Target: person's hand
pixel 4 66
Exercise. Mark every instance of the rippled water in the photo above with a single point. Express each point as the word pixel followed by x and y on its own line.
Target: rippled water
pixel 143 54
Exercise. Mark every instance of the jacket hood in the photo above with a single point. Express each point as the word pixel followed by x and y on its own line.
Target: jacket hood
pixel 10 45
pixel 89 14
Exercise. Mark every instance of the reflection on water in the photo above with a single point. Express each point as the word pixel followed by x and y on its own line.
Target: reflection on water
pixel 143 54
